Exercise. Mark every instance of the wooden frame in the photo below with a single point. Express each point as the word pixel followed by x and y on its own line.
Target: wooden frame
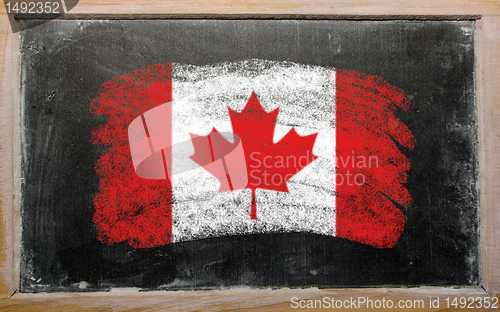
pixel 488 77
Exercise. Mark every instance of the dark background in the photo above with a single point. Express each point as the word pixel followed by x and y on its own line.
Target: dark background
pixel 65 62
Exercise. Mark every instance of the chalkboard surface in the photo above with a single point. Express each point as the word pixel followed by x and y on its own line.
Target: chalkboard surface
pixel 64 64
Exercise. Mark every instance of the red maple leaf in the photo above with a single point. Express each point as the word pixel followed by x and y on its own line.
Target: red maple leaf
pixel 269 165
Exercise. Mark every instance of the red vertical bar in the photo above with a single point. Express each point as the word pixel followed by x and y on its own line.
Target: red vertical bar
pixel 128 207
pixel 364 126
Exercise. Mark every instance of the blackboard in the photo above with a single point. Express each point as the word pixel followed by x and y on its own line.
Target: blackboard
pixel 64 64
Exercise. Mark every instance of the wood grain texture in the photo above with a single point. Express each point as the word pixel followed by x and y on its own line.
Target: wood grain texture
pixel 8 91
pixel 488 75
pixel 490 206
pixel 298 7
pixel 240 299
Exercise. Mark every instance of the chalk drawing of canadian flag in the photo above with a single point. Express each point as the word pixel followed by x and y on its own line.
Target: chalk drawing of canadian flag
pixel 248 147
